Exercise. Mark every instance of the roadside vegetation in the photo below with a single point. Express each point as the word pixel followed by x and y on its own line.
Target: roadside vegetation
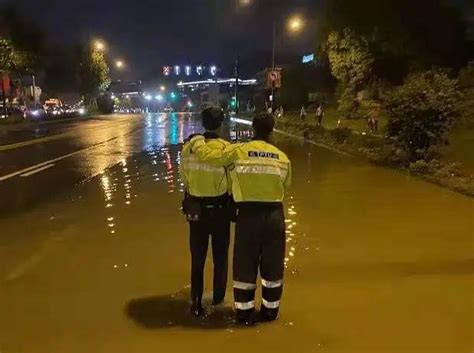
pixel 414 79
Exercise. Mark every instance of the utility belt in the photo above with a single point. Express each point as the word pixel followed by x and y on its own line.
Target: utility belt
pixel 195 208
pixel 242 208
pixel 252 206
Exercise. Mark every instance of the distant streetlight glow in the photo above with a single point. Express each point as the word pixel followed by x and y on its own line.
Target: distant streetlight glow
pixel 99 45
pixel 162 88
pixel 245 3
pixel 295 24
pixel 119 64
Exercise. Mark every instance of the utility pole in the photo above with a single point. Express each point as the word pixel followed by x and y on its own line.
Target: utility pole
pixel 33 79
pixel 236 85
pixel 273 63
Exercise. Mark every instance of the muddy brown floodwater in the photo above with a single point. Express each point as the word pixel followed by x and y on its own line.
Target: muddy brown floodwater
pixel 377 261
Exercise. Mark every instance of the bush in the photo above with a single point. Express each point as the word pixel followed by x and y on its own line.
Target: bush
pixel 421 113
pixel 341 134
pixel 347 104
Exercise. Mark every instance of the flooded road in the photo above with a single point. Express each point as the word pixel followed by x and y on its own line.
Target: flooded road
pixel 376 261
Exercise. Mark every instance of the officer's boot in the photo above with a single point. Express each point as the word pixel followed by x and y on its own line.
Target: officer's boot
pixel 196 308
pixel 267 315
pixel 245 317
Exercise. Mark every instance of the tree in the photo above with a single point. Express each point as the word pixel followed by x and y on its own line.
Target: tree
pixel 421 113
pixel 351 64
pixel 11 59
pixel 94 73
pixel 404 35
pixel 349 57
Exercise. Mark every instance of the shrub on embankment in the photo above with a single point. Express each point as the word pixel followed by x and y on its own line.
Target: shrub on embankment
pixel 421 113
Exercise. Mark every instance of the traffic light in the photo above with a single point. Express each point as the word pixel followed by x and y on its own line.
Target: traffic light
pixel 173 95
pixel 233 103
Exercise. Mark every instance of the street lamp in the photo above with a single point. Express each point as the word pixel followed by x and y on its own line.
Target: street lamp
pixel 119 64
pixel 245 3
pixel 99 45
pixel 162 88
pixel 295 24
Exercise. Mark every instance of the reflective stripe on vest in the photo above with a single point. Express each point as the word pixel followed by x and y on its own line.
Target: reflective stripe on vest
pixel 203 167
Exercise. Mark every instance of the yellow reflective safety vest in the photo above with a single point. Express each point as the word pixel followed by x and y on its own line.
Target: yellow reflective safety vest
pixel 203 179
pixel 258 171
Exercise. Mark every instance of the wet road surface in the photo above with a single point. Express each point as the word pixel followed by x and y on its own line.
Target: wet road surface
pixel 94 252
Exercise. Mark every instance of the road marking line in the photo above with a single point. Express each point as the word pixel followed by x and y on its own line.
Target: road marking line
pixel 37 170
pixel 32 261
pixel 39 165
pixel 52 161
pixel 59 136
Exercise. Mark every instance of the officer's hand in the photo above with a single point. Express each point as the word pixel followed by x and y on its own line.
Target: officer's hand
pixel 192 136
pixel 197 141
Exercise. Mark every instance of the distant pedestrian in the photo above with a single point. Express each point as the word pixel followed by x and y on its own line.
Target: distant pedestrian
pixel 320 114
pixel 302 113
pixel 373 120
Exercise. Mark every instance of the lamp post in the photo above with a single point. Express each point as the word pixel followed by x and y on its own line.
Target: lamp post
pixel 294 24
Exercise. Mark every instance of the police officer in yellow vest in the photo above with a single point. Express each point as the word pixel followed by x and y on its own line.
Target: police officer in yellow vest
pixel 206 207
pixel 260 175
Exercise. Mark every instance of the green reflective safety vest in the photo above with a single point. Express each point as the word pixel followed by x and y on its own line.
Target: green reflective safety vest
pixel 258 171
pixel 203 179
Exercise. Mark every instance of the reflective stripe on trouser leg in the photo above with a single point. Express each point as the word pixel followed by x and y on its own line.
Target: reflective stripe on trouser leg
pixel 271 302
pixel 244 285
pixel 271 295
pixel 244 295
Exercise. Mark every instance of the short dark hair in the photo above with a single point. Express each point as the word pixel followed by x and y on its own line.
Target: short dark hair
pixel 212 118
pixel 263 124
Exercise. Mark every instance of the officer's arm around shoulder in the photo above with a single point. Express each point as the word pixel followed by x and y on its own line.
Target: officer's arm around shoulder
pixel 216 156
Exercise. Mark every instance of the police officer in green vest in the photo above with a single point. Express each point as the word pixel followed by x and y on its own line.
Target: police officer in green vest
pixel 206 208
pixel 260 175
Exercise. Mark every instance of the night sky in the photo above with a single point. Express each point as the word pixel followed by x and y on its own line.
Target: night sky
pixel 148 34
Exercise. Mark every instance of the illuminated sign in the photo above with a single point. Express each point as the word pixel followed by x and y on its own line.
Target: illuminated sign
pixel 308 58
pixel 188 70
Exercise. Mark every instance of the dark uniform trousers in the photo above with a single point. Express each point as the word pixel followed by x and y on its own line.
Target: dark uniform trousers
pixel 260 242
pixel 214 222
